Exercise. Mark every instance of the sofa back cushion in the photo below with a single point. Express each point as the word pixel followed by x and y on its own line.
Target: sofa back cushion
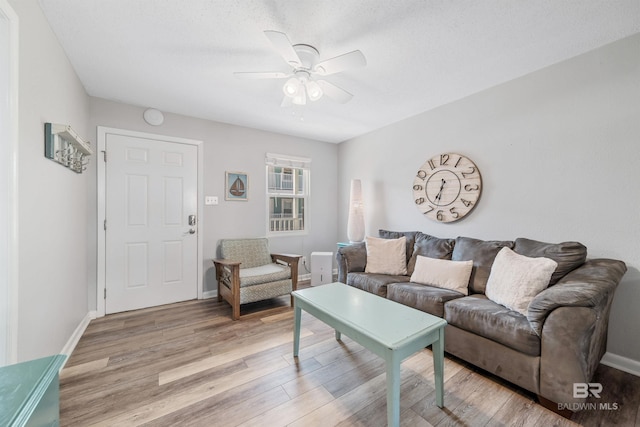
pixel 482 253
pixel 431 247
pixel 409 235
pixel 568 255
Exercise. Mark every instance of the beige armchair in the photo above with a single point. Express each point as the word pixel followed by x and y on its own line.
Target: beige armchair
pixel 248 272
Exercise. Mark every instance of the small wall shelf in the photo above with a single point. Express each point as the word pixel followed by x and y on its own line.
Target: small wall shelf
pixel 63 145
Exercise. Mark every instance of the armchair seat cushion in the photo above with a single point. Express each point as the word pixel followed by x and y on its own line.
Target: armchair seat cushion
pixel 265 273
pixel 481 316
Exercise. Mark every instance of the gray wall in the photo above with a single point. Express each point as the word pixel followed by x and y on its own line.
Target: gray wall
pixel 234 148
pixel 558 153
pixel 52 200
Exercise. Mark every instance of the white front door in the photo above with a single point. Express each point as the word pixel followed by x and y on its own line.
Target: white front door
pixel 151 224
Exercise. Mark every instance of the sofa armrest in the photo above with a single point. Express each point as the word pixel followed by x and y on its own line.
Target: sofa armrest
pixel 590 285
pixel 351 258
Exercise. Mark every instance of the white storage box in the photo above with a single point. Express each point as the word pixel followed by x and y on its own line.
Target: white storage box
pixel 321 268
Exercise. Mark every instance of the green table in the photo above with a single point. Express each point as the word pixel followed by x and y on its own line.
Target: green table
pixel 391 330
pixel 29 393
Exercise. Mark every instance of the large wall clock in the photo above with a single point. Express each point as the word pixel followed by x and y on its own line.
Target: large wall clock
pixel 447 187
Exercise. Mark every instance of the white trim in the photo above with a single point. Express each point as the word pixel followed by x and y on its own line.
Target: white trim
pixel 209 294
pixel 303 277
pixel 622 363
pixel 73 340
pixel 101 183
pixel 286 160
pixel 10 292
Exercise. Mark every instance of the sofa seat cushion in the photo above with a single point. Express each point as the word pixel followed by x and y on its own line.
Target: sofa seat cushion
pixel 422 297
pixel 265 273
pixel 374 283
pixel 481 316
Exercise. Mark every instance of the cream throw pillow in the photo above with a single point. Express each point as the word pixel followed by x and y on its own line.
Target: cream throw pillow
pixel 386 256
pixel 516 279
pixel 442 273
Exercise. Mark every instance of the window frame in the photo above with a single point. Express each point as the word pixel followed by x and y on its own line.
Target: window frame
pixel 295 164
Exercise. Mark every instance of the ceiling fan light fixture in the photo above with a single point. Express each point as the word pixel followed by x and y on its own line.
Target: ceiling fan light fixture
pixel 292 87
pixel 301 97
pixel 314 90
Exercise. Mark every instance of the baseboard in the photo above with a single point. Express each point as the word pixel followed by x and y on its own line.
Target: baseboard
pixel 304 277
pixel 75 337
pixel 623 363
pixel 209 294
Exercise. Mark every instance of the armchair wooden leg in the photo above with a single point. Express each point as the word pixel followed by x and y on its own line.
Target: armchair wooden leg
pixel 235 315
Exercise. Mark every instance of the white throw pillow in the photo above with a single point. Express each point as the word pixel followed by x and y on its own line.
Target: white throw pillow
pixel 386 256
pixel 443 273
pixel 516 279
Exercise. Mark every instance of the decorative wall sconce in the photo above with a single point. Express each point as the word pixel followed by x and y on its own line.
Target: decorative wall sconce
pixel 355 224
pixel 63 145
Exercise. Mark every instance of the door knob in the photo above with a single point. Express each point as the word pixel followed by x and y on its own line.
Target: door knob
pixel 192 231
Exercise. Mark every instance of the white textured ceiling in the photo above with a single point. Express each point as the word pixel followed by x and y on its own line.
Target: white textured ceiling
pixel 179 56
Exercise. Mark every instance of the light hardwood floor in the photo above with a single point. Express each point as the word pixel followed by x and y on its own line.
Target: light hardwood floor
pixel 188 364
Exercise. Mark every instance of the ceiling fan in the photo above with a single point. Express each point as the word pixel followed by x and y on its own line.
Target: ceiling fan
pixel 303 82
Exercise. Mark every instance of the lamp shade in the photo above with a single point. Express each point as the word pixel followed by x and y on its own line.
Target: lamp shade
pixel 355 224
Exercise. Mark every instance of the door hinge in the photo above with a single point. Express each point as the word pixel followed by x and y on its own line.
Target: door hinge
pixel 104 155
pixel 105 293
pixel 105 225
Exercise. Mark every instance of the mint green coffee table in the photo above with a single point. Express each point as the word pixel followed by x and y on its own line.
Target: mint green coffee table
pixel 391 330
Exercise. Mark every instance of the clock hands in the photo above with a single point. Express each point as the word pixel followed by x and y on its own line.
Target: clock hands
pixel 439 195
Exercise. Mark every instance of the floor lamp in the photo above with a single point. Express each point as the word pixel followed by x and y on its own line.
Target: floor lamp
pixel 355 224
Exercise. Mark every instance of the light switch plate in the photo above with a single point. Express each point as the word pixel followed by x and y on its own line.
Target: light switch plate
pixel 211 200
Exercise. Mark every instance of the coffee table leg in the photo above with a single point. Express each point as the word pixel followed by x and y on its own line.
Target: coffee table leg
pixel 297 313
pixel 393 389
pixel 438 367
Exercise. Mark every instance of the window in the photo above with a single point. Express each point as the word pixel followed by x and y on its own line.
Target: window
pixel 287 194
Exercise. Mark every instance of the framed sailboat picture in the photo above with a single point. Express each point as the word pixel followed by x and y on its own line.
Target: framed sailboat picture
pixel 236 186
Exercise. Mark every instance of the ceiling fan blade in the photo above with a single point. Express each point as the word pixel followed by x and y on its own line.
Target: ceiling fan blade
pixel 340 63
pixel 261 75
pixel 283 46
pixel 334 92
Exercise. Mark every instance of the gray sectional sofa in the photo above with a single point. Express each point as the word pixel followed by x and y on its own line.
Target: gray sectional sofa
pixel 559 342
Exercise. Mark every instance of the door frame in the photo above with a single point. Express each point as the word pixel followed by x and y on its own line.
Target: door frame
pixel 9 283
pixel 102 133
